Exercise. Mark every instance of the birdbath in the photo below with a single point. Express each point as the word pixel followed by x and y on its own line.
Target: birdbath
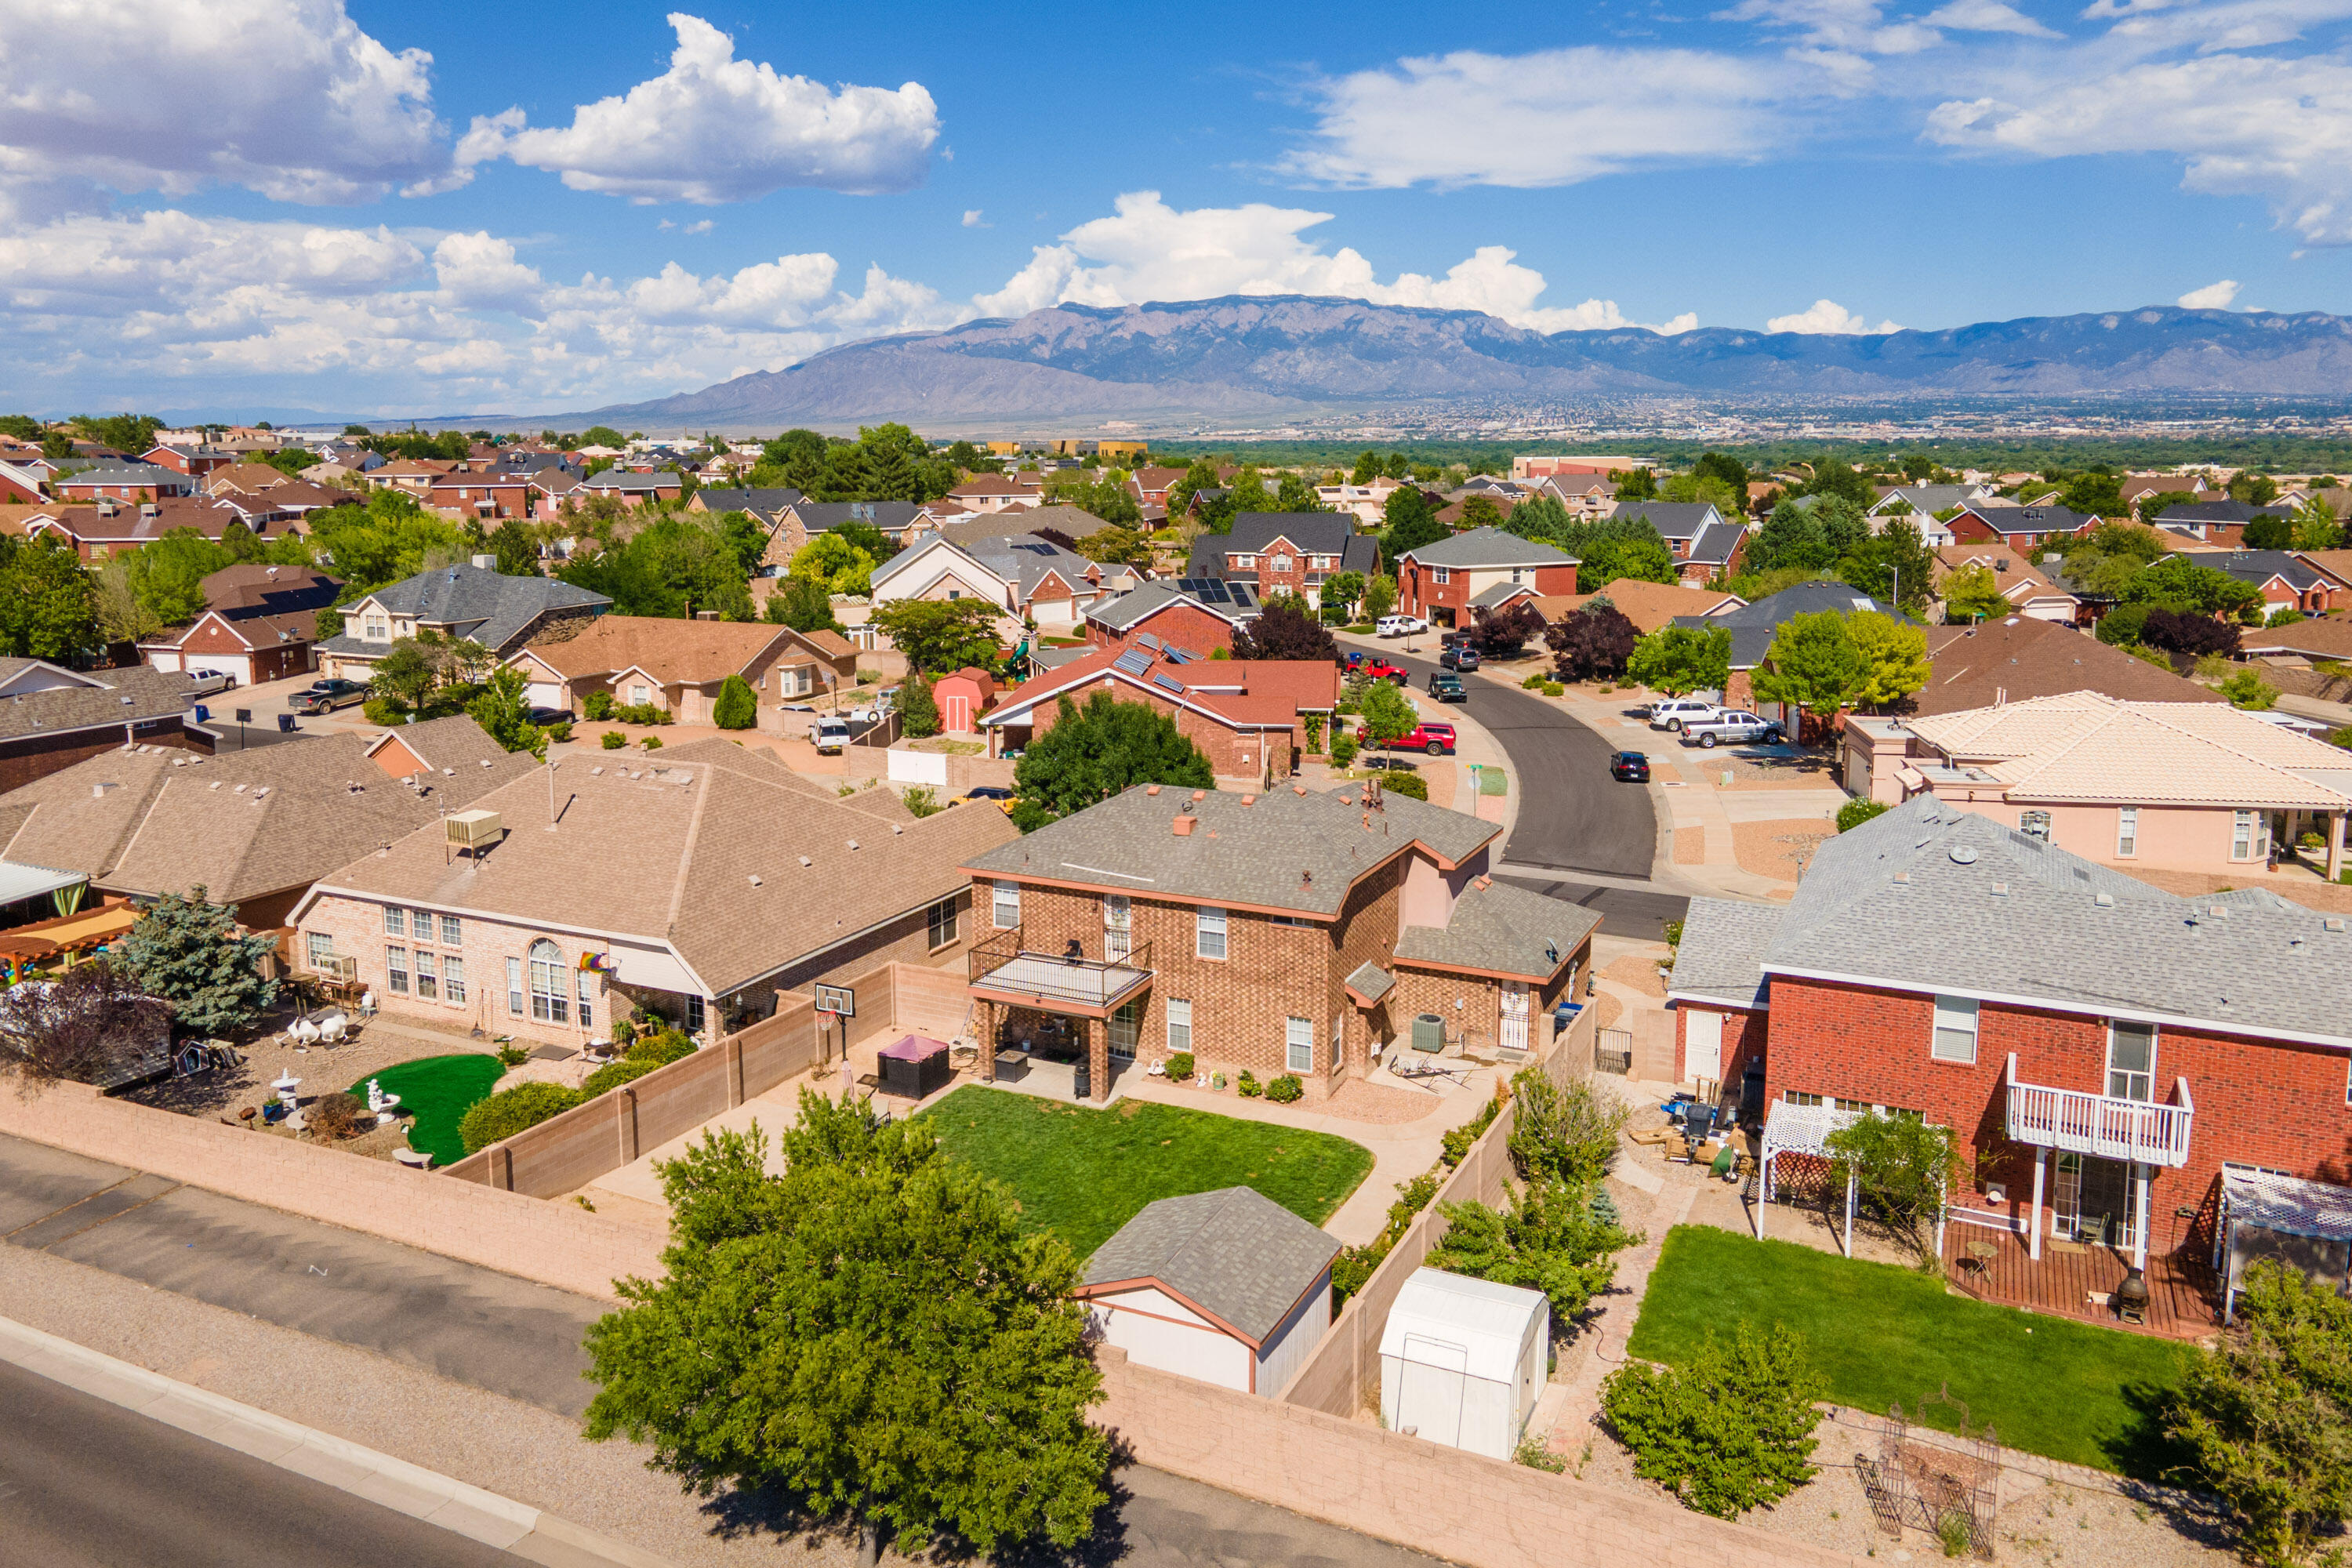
pixel 382 1104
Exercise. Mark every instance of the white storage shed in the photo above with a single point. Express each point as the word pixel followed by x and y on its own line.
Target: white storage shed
pixel 1226 1286
pixel 1463 1361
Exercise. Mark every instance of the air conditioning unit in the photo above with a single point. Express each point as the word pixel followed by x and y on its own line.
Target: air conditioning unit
pixel 476 829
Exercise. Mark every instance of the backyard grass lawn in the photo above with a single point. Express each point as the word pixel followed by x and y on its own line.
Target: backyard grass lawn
pixel 2069 1391
pixel 1082 1173
pixel 436 1092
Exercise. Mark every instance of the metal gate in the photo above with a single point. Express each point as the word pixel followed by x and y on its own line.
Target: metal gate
pixel 1612 1051
pixel 1515 1016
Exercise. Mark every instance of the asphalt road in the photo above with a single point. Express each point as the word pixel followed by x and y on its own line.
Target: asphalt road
pixel 85 1484
pixel 1572 816
pixel 1634 912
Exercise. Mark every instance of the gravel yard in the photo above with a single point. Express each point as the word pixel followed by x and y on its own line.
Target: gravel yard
pixel 323 1070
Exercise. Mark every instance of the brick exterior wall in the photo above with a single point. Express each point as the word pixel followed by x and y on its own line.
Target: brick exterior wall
pixel 1743 1035
pixel 1269 581
pixel 1189 626
pixel 1872 1046
pixel 1419 592
pixel 1232 753
pixel 263 658
pixel 24 758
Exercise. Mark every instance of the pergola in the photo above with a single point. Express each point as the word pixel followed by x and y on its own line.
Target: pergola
pixel 1802 1130
pixel 2308 1213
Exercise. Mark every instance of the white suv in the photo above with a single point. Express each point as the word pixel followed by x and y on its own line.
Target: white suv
pixel 1399 626
pixel 1674 713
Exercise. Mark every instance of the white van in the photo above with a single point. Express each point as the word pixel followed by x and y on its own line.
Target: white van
pixel 832 734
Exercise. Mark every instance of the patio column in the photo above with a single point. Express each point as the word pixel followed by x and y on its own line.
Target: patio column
pixel 2335 844
pixel 2139 1231
pixel 984 1014
pixel 1097 1039
pixel 2033 1226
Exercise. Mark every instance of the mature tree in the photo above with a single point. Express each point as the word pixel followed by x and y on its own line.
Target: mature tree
pixel 1379 596
pixel 503 710
pixel 48 601
pixel 517 547
pixel 2317 526
pixel 2254 490
pixel 1103 494
pixel 389 539
pixel 873 1334
pixel 1894 657
pixel 1367 463
pixel 1340 592
pixel 1593 643
pixel 2178 583
pixel 1614 547
pixel 2270 532
pixel 940 635
pixel 1695 487
pixel 1411 522
pixel 122 618
pixel 918 711
pixel 1115 546
pixel 1296 492
pixel 1790 537
pixel 1813 664
pixel 1382 713
pixel 1636 484
pixel 1286 629
pixel 185 949
pixel 1542 518
pixel 1553 1238
pixel 1679 660
pixel 1480 511
pixel 1729 471
pixel 1834 478
pixel 2096 492
pixel 1504 634
pixel 87 1026
pixel 737 707
pixel 1971 595
pixel 1893 565
pixel 835 563
pixel 1904 1166
pixel 2187 632
pixel 1091 753
pixel 804 605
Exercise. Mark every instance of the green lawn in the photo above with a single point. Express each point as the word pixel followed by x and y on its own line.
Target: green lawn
pixel 1083 1173
pixel 436 1092
pixel 2069 1391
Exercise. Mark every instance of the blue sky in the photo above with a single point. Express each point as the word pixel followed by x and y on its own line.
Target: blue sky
pixel 359 206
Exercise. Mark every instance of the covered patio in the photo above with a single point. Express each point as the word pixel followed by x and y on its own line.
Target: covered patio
pixel 1046 1015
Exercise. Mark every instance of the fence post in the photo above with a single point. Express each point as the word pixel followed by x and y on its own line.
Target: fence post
pixel 733 1045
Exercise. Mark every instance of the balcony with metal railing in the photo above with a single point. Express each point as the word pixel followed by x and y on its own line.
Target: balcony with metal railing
pixel 2075 1123
pixel 1001 969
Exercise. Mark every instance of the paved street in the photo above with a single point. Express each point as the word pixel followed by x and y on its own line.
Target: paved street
pixel 86 1484
pixel 1640 913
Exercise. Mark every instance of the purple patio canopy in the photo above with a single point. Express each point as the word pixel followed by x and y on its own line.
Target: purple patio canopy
pixel 915 1048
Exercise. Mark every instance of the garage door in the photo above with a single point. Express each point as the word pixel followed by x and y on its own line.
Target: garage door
pixel 214 663
pixel 546 694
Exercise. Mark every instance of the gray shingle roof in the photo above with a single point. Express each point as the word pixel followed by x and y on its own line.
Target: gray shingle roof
pixel 2011 916
pixel 2221 512
pixel 1671 519
pixel 1130 609
pixel 1315 532
pixel 1926 500
pixel 1237 854
pixel 1488 547
pixel 112 698
pixel 1715 542
pixel 1233 1253
pixel 468 601
pixel 2259 566
pixel 1722 954
pixel 2008 517
pixel 1752 625
pixel 889 516
pixel 1502 930
pixel 766 502
pixel 1024 561
pixel 1496 596
pixel 1370 982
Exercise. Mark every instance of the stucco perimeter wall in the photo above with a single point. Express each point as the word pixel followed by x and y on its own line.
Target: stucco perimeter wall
pixel 567 1247
pixel 1459 1507
pixel 1343 1373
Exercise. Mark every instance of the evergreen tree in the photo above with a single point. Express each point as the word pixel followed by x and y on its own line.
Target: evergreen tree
pixel 916 708
pixel 802 605
pixel 737 708
pixel 185 950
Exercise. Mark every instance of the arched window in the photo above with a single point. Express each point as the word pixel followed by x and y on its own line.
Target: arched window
pixel 547 1003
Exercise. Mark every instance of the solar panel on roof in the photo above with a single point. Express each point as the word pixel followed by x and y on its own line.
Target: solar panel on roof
pixel 1147 640
pixel 1132 662
pixel 1169 682
pixel 1179 655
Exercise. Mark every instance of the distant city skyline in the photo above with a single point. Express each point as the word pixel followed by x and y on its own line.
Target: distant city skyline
pixel 362 208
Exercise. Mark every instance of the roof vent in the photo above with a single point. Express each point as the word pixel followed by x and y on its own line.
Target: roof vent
pixel 2001 889
pixel 2104 900
pixel 755 879
pixel 852 844
pixel 2217 908
pixel 1903 877
pixel 2332 923
pixel 807 861
pixel 898 828
pixel 1963 855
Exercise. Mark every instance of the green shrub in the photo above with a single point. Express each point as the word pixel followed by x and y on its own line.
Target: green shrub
pixel 1536 1454
pixel 1355 1264
pixel 1562 1134
pixel 1457 1142
pixel 613 1075
pixel 1413 785
pixel 2122 626
pixel 1554 689
pixel 513 1055
pixel 1854 813
pixel 1179 1067
pixel 598 705
pixel 2248 690
pixel 642 713
pixel 1731 1431
pixel 560 731
pixel 1343 750
pixel 1247 1085
pixel 1553 1238
pixel 1532 683
pixel 613 740
pixel 1285 1089
pixel 736 708
pixel 923 801
pixel 387 711
pixel 662 1047
pixel 651 742
pixel 511 1110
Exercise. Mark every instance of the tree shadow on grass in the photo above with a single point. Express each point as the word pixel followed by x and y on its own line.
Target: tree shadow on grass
pixel 2159 1473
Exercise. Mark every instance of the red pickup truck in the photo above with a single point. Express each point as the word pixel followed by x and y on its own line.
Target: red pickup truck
pixel 1378 668
pixel 1437 740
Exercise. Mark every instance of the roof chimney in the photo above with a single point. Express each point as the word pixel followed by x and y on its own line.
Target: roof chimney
pixel 484 563
pixel 1185 824
pixel 1249 800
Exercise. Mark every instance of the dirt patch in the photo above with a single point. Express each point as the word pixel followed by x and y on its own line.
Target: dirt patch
pixel 1639 971
pixel 1779 849
pixel 323 1070
pixel 1379 1104
pixel 1690 845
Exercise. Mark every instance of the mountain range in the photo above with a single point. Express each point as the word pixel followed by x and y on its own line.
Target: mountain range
pixel 1249 357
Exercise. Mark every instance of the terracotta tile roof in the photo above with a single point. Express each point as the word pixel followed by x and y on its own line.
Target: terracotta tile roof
pixel 1648 605
pixel 2018 658
pixel 704 848
pixel 672 651
pixel 2083 746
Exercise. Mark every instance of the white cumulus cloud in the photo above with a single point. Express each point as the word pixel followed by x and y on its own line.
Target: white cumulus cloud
pixel 288 98
pixel 1856 25
pixel 2212 297
pixel 1827 316
pixel 1988 16
pixel 715 129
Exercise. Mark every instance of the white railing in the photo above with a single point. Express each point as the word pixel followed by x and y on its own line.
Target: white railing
pixel 2077 1123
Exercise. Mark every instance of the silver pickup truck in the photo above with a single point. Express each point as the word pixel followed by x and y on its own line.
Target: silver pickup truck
pixel 1733 724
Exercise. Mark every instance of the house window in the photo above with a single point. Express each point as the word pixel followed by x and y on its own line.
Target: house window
pixel 2249 837
pixel 420 924
pixel 1280 564
pixel 1180 1032
pixel 321 949
pixel 1956 1029
pixel 582 991
pixel 941 918
pixel 396 970
pixel 428 979
pixel 2128 832
pixel 2034 825
pixel 374 629
pixel 1440 575
pixel 2131 1060
pixel 1208 932
pixel 395 921
pixel 1004 905
pixel 1792 1097
pixel 514 986
pixel 694 1015
pixel 1246 562
pixel 548 1003
pixel 453 978
pixel 450 931
pixel 1298 1045
pixel 639 696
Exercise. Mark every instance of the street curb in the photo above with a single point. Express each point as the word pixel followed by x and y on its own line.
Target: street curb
pixel 423 1494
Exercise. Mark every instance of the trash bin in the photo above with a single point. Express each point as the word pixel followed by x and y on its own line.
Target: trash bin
pixel 286 725
pixel 1428 1032
pixel 1081 1079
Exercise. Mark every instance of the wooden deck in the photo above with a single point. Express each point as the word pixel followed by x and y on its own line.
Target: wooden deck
pixel 2184 1299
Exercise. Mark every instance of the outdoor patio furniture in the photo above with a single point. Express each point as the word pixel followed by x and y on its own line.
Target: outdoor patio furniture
pixel 414 1158
pixel 915 1066
pixel 1979 1257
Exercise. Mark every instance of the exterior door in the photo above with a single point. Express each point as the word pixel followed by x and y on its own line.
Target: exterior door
pixel 1432 1388
pixel 1703 1045
pixel 1125 1025
pixel 1515 1016
pixel 1118 927
pixel 2094 1202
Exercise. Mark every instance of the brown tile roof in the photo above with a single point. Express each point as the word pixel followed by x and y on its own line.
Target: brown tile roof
pixel 1973 667
pixel 452 745
pixel 248 478
pixel 696 653
pixel 131 523
pixel 1648 605
pixel 2017 578
pixel 1244 693
pixel 152 821
pixel 2336 563
pixel 110 696
pixel 704 848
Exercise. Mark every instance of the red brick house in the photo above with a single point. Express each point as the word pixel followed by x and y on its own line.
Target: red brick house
pixel 260 623
pixel 1439 582
pixel 1197 615
pixel 481 493
pixel 1294 931
pixel 110 526
pixel 194 461
pixel 2112 1057
pixel 1248 716
pixel 1285 551
pixel 2017 527
pixel 122 482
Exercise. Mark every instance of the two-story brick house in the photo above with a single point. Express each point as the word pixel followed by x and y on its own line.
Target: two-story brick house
pixel 1285 552
pixel 1293 931
pixel 2110 1056
pixel 472 602
pixel 1439 582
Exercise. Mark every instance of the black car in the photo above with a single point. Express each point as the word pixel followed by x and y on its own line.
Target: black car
pixel 1630 767
pixel 544 717
pixel 1446 688
pixel 1459 656
pixel 326 696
